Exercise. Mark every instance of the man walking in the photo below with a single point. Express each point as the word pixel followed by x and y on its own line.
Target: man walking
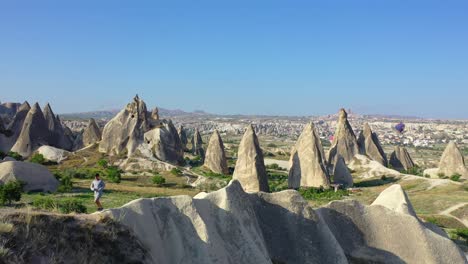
pixel 98 187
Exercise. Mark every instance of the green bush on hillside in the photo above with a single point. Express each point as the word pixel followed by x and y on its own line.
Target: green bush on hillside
pixel 114 174
pixel 455 177
pixel 15 155
pixel 65 206
pixel 102 163
pixel 158 180
pixel 38 158
pixel 322 193
pixel 10 191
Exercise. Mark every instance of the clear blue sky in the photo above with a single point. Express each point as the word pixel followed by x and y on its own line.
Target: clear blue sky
pixel 229 57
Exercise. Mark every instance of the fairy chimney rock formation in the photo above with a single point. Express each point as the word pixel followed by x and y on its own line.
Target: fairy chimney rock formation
pixel 307 163
pixel 369 145
pixel 344 141
pixel 400 159
pixel 452 161
pixel 215 158
pixel 250 167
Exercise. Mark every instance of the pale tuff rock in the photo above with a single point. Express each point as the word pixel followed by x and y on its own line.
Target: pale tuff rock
pixel 53 154
pixel 395 198
pixel 197 144
pixel 183 137
pixel 452 161
pixel 387 232
pixel 344 142
pixel 250 168
pixel 307 163
pixel 17 123
pixel 341 174
pixel 369 145
pixel 13 130
pixel 155 114
pixel 57 137
pixel 125 131
pixel 215 158
pixel 400 159
pixel 33 134
pixel 164 143
pixel 36 177
pixel 231 226
pixel 91 134
pixel 367 168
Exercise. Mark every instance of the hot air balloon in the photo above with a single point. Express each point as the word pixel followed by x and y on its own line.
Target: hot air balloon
pixel 400 127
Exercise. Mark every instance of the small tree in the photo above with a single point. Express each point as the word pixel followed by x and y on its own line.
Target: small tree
pixel 114 174
pixel 38 158
pixel 66 184
pixel 158 180
pixel 455 177
pixel 103 163
pixel 10 191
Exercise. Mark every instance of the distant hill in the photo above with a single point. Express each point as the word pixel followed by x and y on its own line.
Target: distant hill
pixel 108 114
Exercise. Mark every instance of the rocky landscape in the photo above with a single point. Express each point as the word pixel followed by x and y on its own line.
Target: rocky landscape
pixel 217 189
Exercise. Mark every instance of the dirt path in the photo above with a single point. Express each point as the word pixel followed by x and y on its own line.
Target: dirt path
pixel 448 211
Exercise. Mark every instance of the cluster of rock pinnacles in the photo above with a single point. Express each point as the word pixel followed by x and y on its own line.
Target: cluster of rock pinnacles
pixel 134 126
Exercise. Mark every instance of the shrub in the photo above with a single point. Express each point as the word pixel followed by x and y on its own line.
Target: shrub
pixel 441 175
pixel 462 233
pixel 102 163
pixel 277 182
pixel 38 158
pixel 456 177
pixel 271 145
pixel 158 180
pixel 176 171
pixel 2 154
pixel 416 170
pixel 66 184
pixel 15 155
pixel 10 191
pixel 45 203
pixel 322 194
pixel 114 174
pixel 64 206
pixel 69 205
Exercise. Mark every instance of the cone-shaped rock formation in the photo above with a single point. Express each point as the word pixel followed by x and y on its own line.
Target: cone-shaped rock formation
pixel 369 145
pixel 183 137
pixel 341 174
pixel 452 161
pixel 400 159
pixel 33 134
pixel 215 158
pixel 250 167
pixel 92 133
pixel 307 163
pixel 344 142
pixel 197 144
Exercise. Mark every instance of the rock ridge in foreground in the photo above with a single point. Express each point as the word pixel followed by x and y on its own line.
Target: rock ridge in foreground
pixel 232 226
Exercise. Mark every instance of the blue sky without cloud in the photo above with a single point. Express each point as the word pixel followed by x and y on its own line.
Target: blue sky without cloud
pixel 230 57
